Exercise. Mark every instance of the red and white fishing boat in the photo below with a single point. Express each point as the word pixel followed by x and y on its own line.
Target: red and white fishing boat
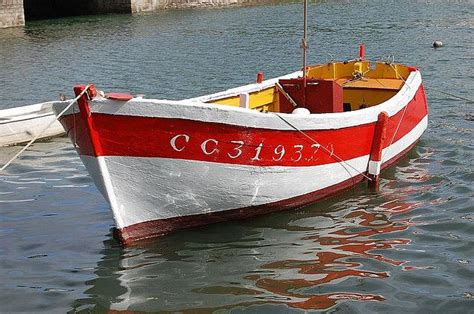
pixel 282 143
pixel 273 145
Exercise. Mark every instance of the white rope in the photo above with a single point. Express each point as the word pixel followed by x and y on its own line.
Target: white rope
pixel 331 153
pixel 452 95
pixel 44 130
pixel 436 90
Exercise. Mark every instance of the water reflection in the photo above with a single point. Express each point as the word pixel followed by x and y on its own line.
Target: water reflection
pixel 315 258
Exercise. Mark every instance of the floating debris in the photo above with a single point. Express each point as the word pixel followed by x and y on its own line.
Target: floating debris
pixel 38 256
pixel 469 295
pixel 437 44
pixel 462 261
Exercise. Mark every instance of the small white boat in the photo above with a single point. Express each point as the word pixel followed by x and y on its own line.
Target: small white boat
pixel 21 124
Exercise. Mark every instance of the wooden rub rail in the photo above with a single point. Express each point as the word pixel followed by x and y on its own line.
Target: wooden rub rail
pixel 375 161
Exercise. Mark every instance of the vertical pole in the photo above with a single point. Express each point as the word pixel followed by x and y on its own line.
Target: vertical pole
pixel 361 52
pixel 304 45
pixel 87 117
pixel 375 159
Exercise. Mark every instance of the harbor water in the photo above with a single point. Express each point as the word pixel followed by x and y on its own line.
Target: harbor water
pixel 407 248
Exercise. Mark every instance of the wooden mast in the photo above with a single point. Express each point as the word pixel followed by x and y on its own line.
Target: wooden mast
pixel 304 46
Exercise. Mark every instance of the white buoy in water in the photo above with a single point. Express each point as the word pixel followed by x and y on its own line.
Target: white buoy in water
pixel 437 44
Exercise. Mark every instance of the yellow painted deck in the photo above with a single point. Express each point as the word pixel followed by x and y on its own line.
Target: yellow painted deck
pixel 364 84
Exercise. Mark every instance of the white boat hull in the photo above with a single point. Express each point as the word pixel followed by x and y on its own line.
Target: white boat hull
pixel 21 124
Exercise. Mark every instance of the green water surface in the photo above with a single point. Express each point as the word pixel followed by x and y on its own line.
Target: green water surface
pixel 406 249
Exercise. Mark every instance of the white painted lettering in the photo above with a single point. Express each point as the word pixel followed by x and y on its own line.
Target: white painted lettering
pixel 299 149
pixel 316 149
pixel 258 149
pixel 237 150
pixel 279 150
pixel 204 146
pixel 175 138
pixel 330 149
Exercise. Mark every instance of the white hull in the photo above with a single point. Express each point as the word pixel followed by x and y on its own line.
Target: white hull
pixel 21 124
pixel 143 189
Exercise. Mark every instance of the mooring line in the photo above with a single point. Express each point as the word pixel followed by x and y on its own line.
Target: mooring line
pixel 331 153
pixel 44 130
pixel 452 95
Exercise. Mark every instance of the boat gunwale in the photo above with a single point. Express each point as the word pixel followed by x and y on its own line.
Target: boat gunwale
pixel 215 113
pixel 249 88
pixel 28 112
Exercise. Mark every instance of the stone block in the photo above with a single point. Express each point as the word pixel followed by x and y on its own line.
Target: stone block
pixel 11 13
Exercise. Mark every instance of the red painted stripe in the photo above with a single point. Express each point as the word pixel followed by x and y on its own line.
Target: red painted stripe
pixel 90 134
pixel 417 109
pixel 115 135
pixel 379 137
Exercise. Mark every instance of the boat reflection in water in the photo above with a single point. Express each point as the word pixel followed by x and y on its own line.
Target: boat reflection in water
pixel 340 249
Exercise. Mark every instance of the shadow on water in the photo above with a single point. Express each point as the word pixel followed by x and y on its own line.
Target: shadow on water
pixel 312 259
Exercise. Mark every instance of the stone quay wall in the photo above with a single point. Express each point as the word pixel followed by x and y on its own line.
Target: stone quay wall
pixel 11 13
pixel 111 6
pixel 154 5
